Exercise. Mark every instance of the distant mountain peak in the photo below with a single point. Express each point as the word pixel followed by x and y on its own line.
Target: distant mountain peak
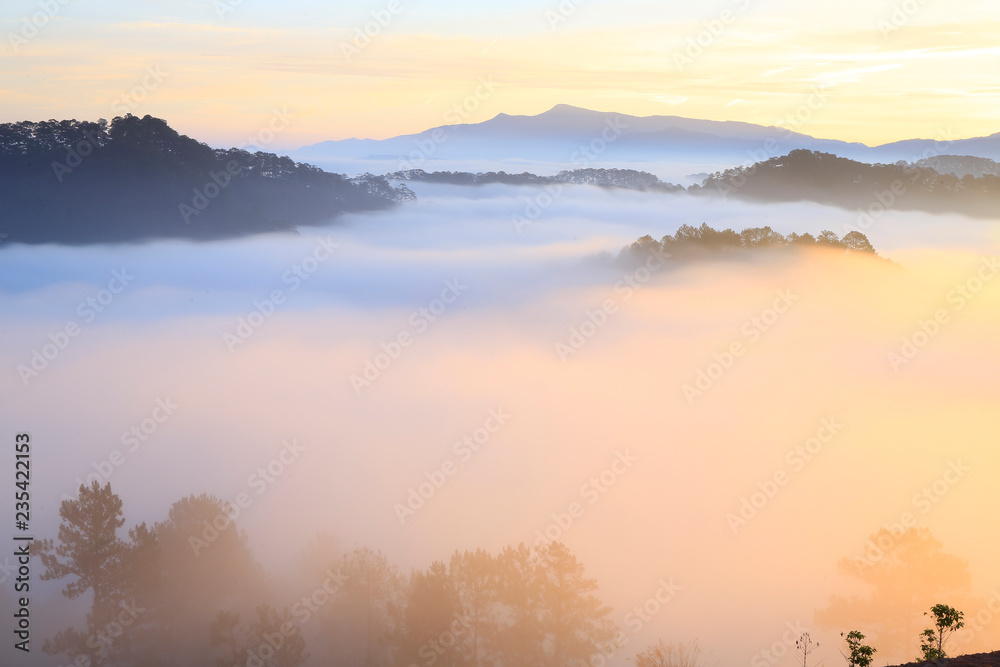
pixel 569 108
pixel 561 134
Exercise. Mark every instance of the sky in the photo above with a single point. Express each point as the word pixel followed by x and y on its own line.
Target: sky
pixel 222 70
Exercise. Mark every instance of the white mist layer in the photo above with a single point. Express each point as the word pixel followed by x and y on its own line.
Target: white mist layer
pixel 899 426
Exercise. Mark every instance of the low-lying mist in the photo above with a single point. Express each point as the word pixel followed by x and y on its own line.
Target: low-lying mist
pixel 452 380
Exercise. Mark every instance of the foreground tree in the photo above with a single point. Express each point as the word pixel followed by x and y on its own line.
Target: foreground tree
pixel 475 577
pixel 373 587
pixel 806 646
pixel 519 637
pixel 858 654
pixel 431 623
pixel 572 617
pixel 947 620
pixel 89 550
pixel 207 565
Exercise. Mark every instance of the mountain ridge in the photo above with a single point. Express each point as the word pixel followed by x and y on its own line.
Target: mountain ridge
pixel 556 134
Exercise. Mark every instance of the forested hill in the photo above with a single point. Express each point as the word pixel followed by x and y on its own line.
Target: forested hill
pixel 873 188
pixel 704 242
pixel 630 179
pixel 137 178
pixel 928 185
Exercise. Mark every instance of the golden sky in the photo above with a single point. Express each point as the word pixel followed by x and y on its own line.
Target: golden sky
pixel 886 70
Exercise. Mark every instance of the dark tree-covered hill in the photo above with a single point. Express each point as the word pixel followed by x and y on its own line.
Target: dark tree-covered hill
pixel 136 178
pixel 608 178
pixel 872 188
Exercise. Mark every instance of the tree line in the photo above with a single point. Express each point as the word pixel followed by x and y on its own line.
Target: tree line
pixel 188 591
pixel 691 242
pixel 804 175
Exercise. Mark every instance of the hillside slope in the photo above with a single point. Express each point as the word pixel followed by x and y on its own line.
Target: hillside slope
pixel 137 179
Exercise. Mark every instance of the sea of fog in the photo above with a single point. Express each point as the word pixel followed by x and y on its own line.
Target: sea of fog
pixel 748 423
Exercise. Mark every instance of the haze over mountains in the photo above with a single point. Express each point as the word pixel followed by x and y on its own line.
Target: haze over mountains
pixel 138 179
pixel 567 135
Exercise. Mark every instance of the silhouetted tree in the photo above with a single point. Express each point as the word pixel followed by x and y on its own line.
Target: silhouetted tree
pixel 947 620
pixel 432 625
pixel 372 586
pixel 207 566
pixel 857 242
pixel 89 550
pixel 806 646
pixel 573 618
pixel 761 237
pixel 476 580
pixel 858 654
pixel 519 636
